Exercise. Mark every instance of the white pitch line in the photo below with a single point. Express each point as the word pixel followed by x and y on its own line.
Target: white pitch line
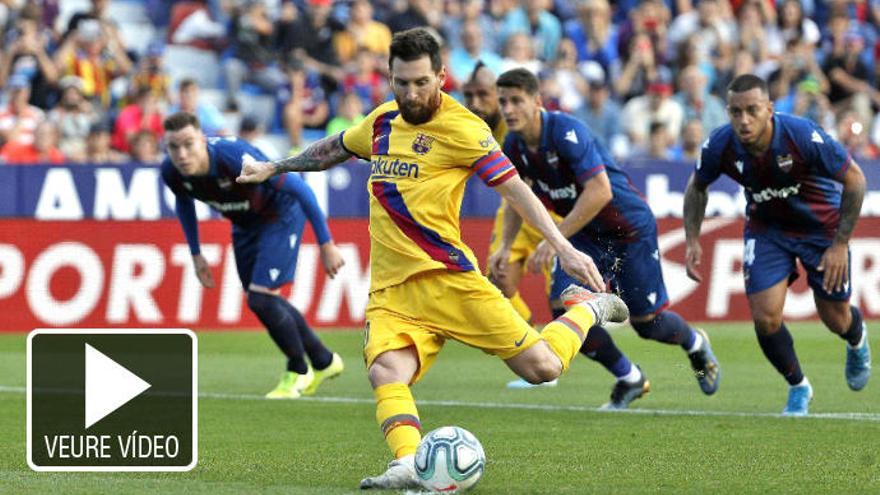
pixel 843 416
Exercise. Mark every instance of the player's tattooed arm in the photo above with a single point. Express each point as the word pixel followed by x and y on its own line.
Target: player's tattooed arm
pixel 850 202
pixel 320 155
pixel 695 199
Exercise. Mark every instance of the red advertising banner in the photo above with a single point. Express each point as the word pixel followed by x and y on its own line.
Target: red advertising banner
pixel 123 274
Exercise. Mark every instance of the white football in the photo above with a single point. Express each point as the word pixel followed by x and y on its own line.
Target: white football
pixel 450 459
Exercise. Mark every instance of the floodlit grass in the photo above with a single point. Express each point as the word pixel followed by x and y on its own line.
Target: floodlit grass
pixel 548 440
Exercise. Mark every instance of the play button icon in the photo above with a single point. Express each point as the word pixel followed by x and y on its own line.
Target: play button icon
pixel 112 400
pixel 109 385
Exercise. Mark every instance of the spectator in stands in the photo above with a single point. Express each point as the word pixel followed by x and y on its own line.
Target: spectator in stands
pixel 151 74
pixel 692 138
pixel 798 64
pixel 99 11
pixel 362 32
pixel 533 19
pixel 572 84
pixel 519 52
pixel 349 112
pixel 741 62
pixel 708 22
pixel 366 80
pixel 19 119
pixel 253 59
pixel 311 40
pixel 697 102
pixel 464 58
pixel 25 54
pixel 251 131
pixel 98 149
pixel 655 106
pixel 850 77
pixel 853 135
pixel 471 10
pixel 658 145
pixel 302 101
pixel 144 148
pixel 42 150
pixel 95 56
pixel 752 36
pixel 792 25
pixel 808 101
pixel 600 112
pixel 417 13
pixel 210 118
pixel 74 115
pixel 144 114
pixel 593 33
pixel 639 67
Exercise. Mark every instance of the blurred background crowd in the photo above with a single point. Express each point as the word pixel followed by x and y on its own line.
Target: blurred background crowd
pixel 89 81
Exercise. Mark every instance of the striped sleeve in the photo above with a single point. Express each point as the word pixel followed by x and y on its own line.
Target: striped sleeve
pixel 494 168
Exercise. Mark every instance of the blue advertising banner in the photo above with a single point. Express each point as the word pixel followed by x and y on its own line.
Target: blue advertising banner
pixel 135 192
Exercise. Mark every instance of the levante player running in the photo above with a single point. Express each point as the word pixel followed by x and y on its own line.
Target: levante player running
pixel 267 223
pixel 605 217
pixel 803 197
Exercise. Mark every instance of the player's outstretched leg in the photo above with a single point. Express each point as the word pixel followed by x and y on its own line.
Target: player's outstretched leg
pixel 858 352
pixel 273 313
pixel 326 364
pixel 565 335
pixel 778 347
pixel 631 382
pixel 670 328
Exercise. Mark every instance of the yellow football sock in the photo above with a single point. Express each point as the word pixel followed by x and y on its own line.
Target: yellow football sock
pixel 397 416
pixel 519 304
pixel 566 334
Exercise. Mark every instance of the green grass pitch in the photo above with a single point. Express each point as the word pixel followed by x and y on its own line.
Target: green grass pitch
pixel 548 440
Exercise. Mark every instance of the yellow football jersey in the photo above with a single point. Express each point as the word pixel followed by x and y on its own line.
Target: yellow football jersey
pixel 417 180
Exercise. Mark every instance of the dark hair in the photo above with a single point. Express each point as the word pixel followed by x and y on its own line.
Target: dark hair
pixel 414 44
pixel 476 72
pixel 748 82
pixel 179 121
pixel 186 83
pixel 520 79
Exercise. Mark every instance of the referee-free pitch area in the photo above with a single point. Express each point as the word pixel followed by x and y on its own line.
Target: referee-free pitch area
pixel 547 440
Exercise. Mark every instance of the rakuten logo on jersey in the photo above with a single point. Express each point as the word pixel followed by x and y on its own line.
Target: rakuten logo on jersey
pixel 770 193
pixel 383 168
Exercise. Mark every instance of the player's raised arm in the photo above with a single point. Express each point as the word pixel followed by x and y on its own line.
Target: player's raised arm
pixel 695 198
pixel 320 155
pixel 527 205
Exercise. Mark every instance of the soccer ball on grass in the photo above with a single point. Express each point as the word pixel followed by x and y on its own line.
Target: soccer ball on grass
pixel 449 459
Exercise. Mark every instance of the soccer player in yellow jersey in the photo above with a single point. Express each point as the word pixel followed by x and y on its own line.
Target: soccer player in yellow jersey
pixel 422 148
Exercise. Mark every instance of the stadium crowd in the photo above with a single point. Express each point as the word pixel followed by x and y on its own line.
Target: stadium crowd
pixel 84 82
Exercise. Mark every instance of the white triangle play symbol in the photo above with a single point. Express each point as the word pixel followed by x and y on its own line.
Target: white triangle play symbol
pixel 109 385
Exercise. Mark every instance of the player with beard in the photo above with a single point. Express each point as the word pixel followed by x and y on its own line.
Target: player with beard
pixel 803 196
pixel 422 148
